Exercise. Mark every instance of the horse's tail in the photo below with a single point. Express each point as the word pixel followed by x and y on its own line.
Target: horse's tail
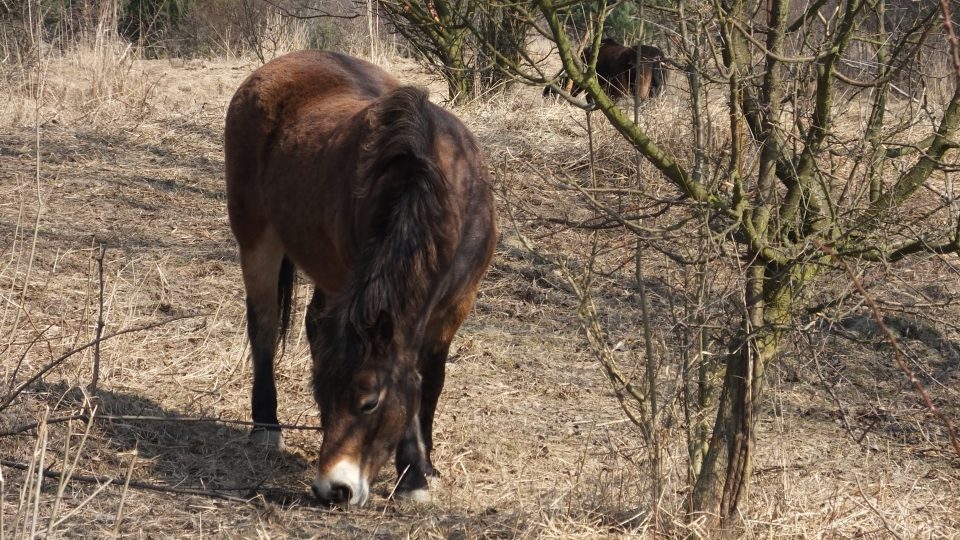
pixel 409 239
pixel 285 295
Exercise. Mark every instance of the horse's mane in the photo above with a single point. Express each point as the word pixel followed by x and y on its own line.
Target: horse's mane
pixel 390 283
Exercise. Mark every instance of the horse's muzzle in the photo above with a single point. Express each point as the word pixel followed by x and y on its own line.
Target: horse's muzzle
pixel 343 484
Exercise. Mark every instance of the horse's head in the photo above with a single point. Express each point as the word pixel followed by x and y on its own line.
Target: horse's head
pixel 367 403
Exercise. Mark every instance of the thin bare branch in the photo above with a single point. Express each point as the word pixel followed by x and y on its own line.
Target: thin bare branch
pixel 60 359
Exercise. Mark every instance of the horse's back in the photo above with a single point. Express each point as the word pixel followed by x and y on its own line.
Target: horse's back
pixel 279 125
pixel 308 91
pixel 282 87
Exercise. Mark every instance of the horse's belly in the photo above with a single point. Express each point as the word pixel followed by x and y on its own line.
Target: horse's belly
pixel 317 257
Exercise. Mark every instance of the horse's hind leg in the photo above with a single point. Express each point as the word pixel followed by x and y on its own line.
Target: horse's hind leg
pixel 261 264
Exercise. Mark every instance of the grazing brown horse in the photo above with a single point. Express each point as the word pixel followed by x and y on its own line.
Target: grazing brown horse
pixel 383 201
pixel 624 70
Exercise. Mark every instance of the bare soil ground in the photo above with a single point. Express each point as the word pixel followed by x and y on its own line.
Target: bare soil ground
pixel 530 441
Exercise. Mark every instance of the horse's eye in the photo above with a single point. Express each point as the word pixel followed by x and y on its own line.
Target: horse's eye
pixel 370 404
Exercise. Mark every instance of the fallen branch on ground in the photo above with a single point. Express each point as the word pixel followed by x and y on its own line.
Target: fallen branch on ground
pixel 255 499
pixel 127 418
pixel 60 359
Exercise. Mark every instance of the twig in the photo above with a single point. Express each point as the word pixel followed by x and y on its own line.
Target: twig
pixel 829 389
pixel 256 499
pixel 318 13
pixel 395 486
pixel 877 512
pixel 76 509
pixel 61 487
pixel 184 419
pixel 33 425
pixel 123 495
pixel 25 490
pixel 23 356
pixel 192 419
pixel 951 36
pixel 3 489
pixel 44 433
pixel 897 352
pixel 37 97
pixel 60 359
pixel 136 484
pixel 100 324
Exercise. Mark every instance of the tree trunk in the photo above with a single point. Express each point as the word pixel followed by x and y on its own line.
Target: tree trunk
pixel 455 71
pixel 725 474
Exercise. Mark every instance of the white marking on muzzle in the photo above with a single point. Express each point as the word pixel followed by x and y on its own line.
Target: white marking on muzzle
pixel 344 473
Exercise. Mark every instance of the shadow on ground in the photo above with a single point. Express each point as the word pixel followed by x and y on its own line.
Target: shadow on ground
pixel 187 453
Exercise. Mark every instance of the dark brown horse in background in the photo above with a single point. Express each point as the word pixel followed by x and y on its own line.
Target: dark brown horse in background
pixel 383 200
pixel 623 71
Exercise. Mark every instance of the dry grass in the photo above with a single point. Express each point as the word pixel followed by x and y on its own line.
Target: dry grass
pixel 529 438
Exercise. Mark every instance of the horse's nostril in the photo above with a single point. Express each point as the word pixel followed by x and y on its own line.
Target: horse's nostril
pixel 340 493
pixel 337 494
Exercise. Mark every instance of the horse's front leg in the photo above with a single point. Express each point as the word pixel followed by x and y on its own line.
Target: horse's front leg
pixel 413 465
pixel 413 454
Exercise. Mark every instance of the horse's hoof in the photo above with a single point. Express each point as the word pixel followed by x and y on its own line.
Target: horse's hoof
pixel 267 438
pixel 415 495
